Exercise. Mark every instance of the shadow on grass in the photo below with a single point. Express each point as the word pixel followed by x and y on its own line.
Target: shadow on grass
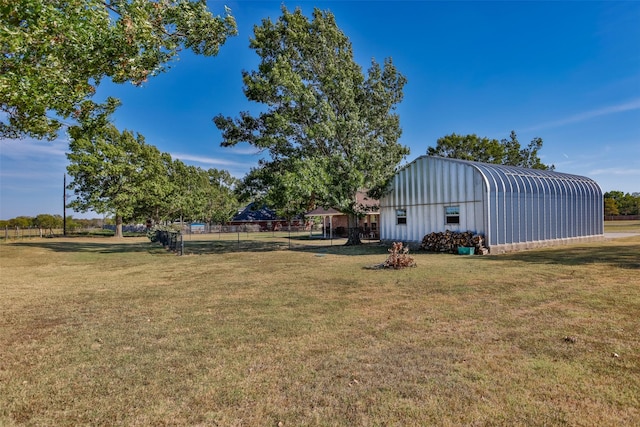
pixel 105 246
pixel 203 247
pixel 619 255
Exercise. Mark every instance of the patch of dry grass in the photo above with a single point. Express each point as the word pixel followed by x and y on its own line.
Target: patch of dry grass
pixel 622 226
pixel 105 332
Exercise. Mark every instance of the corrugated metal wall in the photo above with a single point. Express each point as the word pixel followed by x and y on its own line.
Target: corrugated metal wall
pixel 529 205
pixel 424 188
pixel 506 204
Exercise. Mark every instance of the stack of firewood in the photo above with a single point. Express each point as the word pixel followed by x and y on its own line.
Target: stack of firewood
pixel 449 241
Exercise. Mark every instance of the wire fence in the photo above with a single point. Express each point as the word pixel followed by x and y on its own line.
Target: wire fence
pixel 249 240
pixel 21 233
pixel 215 239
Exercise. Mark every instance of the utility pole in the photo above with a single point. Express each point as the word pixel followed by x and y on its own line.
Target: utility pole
pixel 64 206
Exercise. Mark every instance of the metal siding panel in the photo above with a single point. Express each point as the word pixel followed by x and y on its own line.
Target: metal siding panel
pixel 421 226
pixel 492 198
pixel 528 205
pixel 497 225
pixel 587 211
pixel 538 210
pixel 575 208
pixel 547 205
pixel 441 182
pixel 572 202
pixel 591 200
pixel 588 207
pixel 507 200
pixel 565 206
pixel 565 227
pixel 481 202
pixel 596 217
pixel 553 211
pixel 451 183
pixel 502 211
pixel 518 216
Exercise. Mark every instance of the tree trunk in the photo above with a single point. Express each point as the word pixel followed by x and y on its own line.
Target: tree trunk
pixel 118 226
pixel 354 232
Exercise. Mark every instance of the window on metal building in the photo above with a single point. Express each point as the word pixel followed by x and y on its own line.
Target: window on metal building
pixel 452 214
pixel 401 216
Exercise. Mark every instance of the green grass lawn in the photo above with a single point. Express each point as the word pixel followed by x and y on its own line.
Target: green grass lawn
pixel 122 332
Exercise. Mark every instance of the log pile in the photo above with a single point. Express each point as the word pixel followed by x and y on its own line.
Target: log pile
pixel 449 241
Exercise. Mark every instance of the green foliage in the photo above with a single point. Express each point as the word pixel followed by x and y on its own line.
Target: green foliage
pixel 196 194
pixel 218 194
pixel 48 221
pixel 56 52
pixel 112 172
pixel 20 222
pixel 619 203
pixel 329 129
pixel 504 152
pixel 610 207
pixel 118 173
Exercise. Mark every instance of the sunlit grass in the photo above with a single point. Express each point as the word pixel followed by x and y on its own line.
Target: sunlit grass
pixel 102 332
pixel 622 226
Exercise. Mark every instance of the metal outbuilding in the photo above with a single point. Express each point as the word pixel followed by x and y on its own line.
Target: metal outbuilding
pixel 513 207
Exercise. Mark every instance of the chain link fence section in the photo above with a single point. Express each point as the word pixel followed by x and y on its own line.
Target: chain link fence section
pixel 250 238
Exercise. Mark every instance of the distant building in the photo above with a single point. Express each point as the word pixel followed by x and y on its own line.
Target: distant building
pixel 197 228
pixel 514 208
pixel 336 223
pixel 262 218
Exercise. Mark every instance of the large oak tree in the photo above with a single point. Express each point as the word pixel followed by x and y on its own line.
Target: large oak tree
pixel 329 130
pixel 56 52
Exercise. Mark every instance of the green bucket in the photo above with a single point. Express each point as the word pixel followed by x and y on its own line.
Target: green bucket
pixel 463 250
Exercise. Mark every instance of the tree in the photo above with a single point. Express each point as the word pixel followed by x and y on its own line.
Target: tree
pixel 184 183
pixel 112 172
pixel 21 222
pixel 48 222
pixel 629 205
pixel 506 152
pixel 221 202
pixel 329 129
pixel 610 207
pixel 468 147
pixel 56 52
pixel 624 204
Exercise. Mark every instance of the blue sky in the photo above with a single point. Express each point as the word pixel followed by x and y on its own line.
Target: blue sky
pixel 567 72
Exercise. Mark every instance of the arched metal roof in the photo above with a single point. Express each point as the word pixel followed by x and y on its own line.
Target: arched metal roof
pixel 532 204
